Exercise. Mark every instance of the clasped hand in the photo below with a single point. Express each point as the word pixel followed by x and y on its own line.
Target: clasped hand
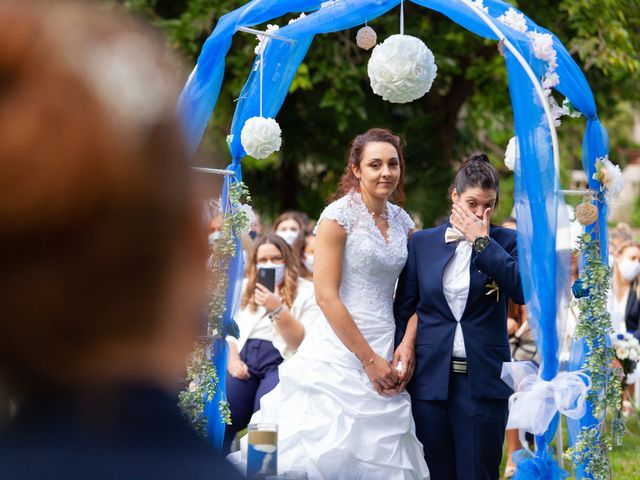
pixel 386 377
pixel 468 224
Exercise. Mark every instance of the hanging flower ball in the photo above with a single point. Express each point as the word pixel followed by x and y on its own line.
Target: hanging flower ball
pixel 260 137
pixel 586 213
pixel 366 38
pixel 512 152
pixel 401 69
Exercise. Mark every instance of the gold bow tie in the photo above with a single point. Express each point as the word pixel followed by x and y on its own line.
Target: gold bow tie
pixel 453 235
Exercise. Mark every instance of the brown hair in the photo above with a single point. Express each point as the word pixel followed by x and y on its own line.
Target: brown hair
pixel 349 182
pixel 90 216
pixel 289 289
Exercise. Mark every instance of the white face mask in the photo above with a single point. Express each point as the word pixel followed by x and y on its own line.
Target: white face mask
pixel 308 262
pixel 612 260
pixel 213 237
pixel 288 236
pixel 279 268
pixel 629 269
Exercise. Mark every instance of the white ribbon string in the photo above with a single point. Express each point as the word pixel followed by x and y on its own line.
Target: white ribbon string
pixel 401 17
pixel 536 401
pixel 261 70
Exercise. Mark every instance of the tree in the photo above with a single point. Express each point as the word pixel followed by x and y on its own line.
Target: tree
pixel 468 108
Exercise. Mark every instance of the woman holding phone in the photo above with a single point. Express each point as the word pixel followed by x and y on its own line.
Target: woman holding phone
pixel 277 308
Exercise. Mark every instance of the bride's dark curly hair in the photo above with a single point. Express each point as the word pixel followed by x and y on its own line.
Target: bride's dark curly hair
pixel 349 182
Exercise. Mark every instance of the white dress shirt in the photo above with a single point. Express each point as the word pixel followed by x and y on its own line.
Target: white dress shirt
pixel 618 310
pixel 455 285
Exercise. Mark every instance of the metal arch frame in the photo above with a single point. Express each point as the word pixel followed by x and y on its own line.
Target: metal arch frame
pixel 534 79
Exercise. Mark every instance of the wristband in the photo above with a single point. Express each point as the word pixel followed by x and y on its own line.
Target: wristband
pixel 275 313
pixel 368 362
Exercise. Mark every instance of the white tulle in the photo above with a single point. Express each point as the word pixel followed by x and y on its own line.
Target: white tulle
pixel 536 401
pixel 331 422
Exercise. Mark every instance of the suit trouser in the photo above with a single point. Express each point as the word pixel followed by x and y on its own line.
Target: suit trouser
pixel 262 359
pixel 462 436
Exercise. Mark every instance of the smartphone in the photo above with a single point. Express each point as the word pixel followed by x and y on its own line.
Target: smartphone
pixel 267 277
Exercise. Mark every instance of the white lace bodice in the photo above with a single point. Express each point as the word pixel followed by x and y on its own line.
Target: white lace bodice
pixel 371 264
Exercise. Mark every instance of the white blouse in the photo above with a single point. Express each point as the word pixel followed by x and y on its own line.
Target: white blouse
pixel 455 286
pixel 257 325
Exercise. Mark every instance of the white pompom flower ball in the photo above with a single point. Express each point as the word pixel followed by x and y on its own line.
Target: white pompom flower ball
pixel 260 137
pixel 401 69
pixel 512 152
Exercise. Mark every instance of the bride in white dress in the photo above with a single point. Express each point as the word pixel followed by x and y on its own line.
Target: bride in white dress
pixel 341 408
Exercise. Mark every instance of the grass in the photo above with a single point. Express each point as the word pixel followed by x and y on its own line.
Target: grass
pixel 625 459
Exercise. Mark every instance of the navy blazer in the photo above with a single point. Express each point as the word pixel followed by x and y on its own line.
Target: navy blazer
pixel 632 312
pixel 484 321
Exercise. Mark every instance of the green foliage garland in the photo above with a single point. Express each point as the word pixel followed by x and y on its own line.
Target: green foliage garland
pixel 594 325
pixel 201 373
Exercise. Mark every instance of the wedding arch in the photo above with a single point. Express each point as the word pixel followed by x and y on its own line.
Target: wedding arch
pixel 536 63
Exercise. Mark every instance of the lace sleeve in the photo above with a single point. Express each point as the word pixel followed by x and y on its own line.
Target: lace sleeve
pixel 339 212
pixel 403 219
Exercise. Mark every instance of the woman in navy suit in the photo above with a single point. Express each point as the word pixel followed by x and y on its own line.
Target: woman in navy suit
pixel 458 279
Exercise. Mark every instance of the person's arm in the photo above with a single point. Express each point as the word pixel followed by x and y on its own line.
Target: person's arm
pixel 235 366
pixel 406 352
pixel 291 329
pixel 327 276
pixel 406 300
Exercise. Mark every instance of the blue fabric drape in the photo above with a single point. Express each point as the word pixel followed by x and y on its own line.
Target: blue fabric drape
pixel 536 197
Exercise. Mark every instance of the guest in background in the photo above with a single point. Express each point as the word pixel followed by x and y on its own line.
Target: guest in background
pixel 309 257
pixel 618 235
pixel 291 227
pixel 214 229
pixel 272 327
pixel 625 289
pixel 103 251
pixel 257 229
pixel 624 303
pixel 523 347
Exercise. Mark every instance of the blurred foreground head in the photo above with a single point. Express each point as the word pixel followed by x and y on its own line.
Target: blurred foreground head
pixel 102 251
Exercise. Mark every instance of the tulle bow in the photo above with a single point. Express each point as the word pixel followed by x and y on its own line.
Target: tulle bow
pixel 536 401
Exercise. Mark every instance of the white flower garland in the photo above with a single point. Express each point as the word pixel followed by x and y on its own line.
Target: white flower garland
pixel 542 48
pixel 263 40
pixel 610 176
pixel 401 69
pixel 514 19
pixel 260 137
pixel 480 5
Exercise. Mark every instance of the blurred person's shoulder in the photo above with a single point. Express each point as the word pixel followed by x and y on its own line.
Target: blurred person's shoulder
pixel 136 432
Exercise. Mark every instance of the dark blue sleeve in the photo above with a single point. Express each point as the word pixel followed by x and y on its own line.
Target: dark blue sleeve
pixel 407 293
pixel 502 266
